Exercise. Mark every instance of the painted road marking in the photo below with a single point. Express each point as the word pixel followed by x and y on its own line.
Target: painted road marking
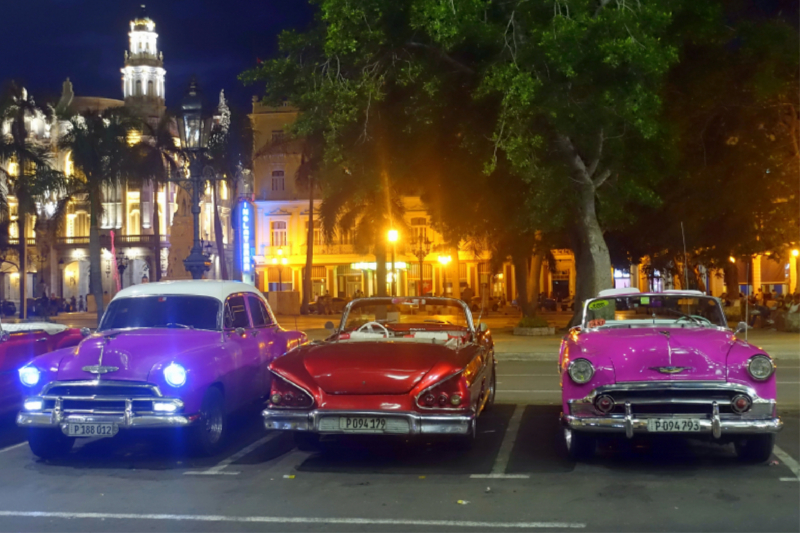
pixel 789 461
pixel 13 447
pixel 218 469
pixel 500 476
pixel 293 520
pixel 501 461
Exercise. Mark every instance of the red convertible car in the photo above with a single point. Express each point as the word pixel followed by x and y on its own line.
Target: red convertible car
pixel 394 366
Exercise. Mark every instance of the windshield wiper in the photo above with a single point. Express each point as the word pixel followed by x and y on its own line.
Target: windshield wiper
pixel 681 313
pixel 175 324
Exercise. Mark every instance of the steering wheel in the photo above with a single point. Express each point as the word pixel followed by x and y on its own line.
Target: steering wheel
pixel 371 325
pixel 697 318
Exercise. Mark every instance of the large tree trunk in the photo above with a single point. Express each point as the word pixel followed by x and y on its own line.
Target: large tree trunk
pixel 380 268
pixel 22 225
pixel 592 260
pixel 534 280
pixel 95 268
pixel 223 265
pixel 156 274
pixel 521 275
pixel 309 253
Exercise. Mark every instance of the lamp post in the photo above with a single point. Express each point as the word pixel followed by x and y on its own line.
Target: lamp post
pixel 194 130
pixel 422 247
pixel 122 264
pixel 280 262
pixel 444 260
pixel 392 237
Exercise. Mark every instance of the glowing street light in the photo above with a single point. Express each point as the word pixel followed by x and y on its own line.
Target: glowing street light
pixel 795 252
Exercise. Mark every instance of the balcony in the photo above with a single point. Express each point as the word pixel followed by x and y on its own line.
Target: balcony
pixel 330 249
pixel 143 241
pixel 15 242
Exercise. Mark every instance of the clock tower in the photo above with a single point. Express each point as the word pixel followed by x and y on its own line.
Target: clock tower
pixel 143 73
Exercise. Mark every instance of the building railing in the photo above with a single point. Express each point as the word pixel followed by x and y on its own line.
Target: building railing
pixel 330 249
pixel 119 240
pixel 15 242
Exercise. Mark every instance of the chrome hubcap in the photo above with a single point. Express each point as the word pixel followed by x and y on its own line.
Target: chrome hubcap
pixel 214 425
pixel 568 438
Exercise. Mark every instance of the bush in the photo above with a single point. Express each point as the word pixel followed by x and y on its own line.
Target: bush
pixel 532 322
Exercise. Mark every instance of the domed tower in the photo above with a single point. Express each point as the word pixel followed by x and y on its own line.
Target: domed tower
pixel 143 74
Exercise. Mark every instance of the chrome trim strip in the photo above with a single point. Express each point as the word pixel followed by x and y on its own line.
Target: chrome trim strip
pixel 418 423
pixel 139 421
pixel 617 424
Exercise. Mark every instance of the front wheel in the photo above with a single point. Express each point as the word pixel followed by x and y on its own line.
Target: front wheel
pixel 580 446
pixel 755 448
pixel 49 443
pixel 209 435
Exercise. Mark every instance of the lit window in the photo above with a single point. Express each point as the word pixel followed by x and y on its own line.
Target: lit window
pixel 317 233
pixel 278 180
pixel 278 233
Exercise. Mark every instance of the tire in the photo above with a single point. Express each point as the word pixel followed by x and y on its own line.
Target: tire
pixel 580 445
pixel 208 436
pixel 307 442
pixel 492 391
pixel 49 443
pixel 755 448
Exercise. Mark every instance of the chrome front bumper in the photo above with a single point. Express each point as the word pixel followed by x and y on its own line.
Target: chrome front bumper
pixel 405 423
pixel 43 420
pixel 631 425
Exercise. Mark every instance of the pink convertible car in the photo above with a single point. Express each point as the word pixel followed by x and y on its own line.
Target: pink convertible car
pixel 665 363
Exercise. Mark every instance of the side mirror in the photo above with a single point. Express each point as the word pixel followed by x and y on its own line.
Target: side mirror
pixel 742 326
pixel 329 326
pixel 86 332
pixel 483 327
pixel 240 331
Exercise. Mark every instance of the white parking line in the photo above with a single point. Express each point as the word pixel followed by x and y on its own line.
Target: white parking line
pixel 789 461
pixel 13 447
pixel 218 469
pixel 501 461
pixel 293 520
pixel 500 476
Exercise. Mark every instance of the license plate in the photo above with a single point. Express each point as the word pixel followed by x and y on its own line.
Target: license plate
pixel 668 425
pixel 362 424
pixel 91 430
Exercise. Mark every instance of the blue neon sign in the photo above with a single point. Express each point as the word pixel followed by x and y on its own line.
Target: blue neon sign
pixel 247 235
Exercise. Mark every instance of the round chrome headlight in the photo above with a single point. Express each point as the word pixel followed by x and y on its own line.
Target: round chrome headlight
pixel 175 375
pixel 760 367
pixel 581 371
pixel 29 375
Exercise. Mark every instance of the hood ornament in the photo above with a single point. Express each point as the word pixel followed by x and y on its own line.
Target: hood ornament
pixel 99 369
pixel 670 369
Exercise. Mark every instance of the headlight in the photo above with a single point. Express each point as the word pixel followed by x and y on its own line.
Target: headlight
pixel 581 371
pixel 175 375
pixel 760 367
pixel 29 375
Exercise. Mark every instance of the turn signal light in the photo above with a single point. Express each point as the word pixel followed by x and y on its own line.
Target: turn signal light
pixel 450 393
pixel 741 403
pixel 604 403
pixel 285 394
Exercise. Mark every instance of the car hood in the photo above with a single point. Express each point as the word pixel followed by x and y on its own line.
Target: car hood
pixel 129 355
pixel 660 353
pixel 372 367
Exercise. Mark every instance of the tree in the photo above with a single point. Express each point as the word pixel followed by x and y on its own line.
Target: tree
pixel 569 93
pixel 33 179
pixel 103 159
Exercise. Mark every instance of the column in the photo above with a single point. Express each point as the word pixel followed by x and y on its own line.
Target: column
pixel 756 273
pixel 793 264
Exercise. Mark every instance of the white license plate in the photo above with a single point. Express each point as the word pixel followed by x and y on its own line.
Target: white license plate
pixel 669 425
pixel 91 430
pixel 362 424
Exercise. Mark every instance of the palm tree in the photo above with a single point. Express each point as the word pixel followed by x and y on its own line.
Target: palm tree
pixel 102 157
pixel 33 180
pixel 369 214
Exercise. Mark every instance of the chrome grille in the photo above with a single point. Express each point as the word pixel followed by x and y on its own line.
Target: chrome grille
pixel 106 397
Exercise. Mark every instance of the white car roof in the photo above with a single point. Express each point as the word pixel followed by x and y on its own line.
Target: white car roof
pixel 205 287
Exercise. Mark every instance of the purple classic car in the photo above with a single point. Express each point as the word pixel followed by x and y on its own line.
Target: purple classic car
pixel 180 354
pixel 665 363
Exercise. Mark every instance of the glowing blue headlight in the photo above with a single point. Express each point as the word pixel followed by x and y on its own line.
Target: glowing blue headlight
pixel 29 375
pixel 175 375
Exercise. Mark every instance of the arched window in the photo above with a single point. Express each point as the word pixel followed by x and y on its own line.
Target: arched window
pixel 150 91
pixel 138 88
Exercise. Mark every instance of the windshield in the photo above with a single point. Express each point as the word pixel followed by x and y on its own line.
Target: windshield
pixel 648 309
pixel 405 314
pixel 162 311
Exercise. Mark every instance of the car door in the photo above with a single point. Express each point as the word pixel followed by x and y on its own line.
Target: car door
pixel 242 351
pixel 268 337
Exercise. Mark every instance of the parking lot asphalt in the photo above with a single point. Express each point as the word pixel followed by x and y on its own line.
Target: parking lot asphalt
pixel 517 476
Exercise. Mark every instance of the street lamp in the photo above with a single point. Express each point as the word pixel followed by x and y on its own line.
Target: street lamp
pixel 392 237
pixel 280 263
pixel 444 260
pixel 194 129
pixel 422 247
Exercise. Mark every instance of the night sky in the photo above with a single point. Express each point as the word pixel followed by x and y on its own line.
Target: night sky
pixel 46 41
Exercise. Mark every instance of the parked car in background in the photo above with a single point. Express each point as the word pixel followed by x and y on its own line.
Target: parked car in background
pixel 655 364
pixel 180 354
pixel 394 366
pixel 19 345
